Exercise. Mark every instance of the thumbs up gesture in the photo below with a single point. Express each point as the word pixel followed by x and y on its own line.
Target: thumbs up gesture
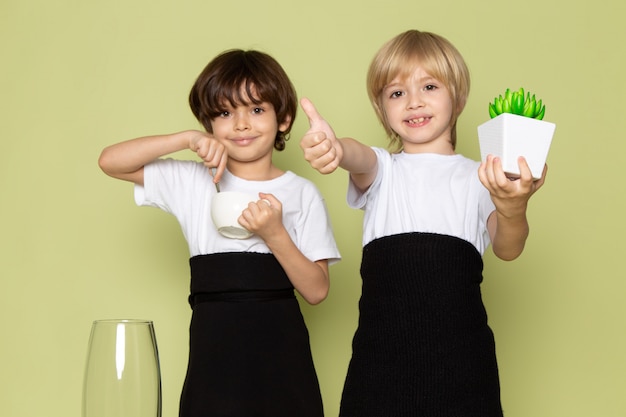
pixel 320 145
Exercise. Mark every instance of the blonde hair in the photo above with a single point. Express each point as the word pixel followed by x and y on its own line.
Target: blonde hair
pixel 401 55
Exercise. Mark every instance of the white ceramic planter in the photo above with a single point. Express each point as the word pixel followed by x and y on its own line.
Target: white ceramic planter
pixel 510 136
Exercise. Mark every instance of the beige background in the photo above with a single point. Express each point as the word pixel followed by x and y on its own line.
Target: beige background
pixel 76 76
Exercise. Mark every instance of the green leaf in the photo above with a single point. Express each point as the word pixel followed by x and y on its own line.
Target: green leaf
pixel 498 104
pixel 506 106
pixel 492 111
pixel 541 113
pixel 538 108
pixel 517 102
pixel 520 102
pixel 529 108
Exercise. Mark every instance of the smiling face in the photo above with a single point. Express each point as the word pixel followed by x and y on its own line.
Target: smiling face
pixel 248 130
pixel 237 77
pixel 408 60
pixel 418 108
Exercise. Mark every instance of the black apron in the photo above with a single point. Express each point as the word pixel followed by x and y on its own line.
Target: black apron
pixel 423 347
pixel 249 352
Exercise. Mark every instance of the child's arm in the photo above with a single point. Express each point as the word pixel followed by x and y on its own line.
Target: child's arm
pixel 325 152
pixel 309 278
pixel 508 225
pixel 126 160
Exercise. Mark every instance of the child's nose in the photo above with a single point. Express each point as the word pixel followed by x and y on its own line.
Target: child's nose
pixel 242 123
pixel 414 101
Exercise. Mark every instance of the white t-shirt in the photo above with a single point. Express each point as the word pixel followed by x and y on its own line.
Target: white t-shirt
pixel 428 193
pixel 185 189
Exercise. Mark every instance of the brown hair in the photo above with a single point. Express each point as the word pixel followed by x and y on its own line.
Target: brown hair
pixel 399 57
pixel 241 77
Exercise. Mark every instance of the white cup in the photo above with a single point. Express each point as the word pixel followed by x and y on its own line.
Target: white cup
pixel 226 207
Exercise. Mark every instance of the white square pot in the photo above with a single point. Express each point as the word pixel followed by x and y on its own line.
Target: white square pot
pixel 509 136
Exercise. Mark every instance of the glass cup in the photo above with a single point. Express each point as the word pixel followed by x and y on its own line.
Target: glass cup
pixel 122 374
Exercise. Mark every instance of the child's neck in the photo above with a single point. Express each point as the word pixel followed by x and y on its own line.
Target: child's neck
pixel 433 148
pixel 254 171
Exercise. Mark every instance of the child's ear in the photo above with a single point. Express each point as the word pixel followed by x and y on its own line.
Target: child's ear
pixel 282 127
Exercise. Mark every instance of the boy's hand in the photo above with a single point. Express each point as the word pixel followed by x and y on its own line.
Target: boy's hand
pixel 320 145
pixel 263 217
pixel 509 195
pixel 212 152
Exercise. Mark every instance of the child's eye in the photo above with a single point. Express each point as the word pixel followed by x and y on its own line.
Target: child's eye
pixel 225 113
pixel 257 110
pixel 430 87
pixel 396 94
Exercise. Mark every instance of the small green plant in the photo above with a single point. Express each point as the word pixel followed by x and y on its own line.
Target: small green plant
pixel 517 103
